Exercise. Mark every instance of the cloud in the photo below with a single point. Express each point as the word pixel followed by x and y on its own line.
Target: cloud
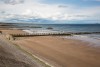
pixel 62 6
pixel 13 2
pixel 35 9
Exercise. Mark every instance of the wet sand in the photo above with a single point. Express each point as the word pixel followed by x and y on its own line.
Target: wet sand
pixel 60 52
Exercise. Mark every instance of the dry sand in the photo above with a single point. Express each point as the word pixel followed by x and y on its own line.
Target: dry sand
pixel 12 56
pixel 13 32
pixel 61 52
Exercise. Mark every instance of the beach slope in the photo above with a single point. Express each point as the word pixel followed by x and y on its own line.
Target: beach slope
pixel 60 52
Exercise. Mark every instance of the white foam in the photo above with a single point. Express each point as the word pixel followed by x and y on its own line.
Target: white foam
pixel 39 31
pixel 28 31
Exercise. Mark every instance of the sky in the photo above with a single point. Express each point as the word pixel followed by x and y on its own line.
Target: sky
pixel 50 11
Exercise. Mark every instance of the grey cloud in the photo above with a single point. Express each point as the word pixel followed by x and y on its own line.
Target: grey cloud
pixel 62 6
pixel 13 2
pixel 2 12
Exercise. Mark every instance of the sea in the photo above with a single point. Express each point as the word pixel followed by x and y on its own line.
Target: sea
pixel 62 27
pixel 94 38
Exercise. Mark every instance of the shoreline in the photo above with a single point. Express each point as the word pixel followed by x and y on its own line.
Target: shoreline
pixel 94 42
pixel 82 37
pixel 57 51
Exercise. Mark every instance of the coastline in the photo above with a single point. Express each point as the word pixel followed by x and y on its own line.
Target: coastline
pixel 94 42
pixel 92 38
pixel 57 51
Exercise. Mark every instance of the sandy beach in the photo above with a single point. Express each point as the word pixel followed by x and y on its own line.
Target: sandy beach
pixel 60 52
pixel 13 32
pixel 49 33
pixel 13 56
pixel 51 50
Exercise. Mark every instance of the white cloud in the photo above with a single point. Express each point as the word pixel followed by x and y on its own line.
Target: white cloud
pixel 37 9
pixel 12 2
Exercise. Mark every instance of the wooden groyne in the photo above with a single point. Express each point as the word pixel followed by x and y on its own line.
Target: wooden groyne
pixel 14 36
pixel 54 34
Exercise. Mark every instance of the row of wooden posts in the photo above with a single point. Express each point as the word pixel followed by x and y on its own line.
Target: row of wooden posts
pixel 13 36
pixel 53 33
